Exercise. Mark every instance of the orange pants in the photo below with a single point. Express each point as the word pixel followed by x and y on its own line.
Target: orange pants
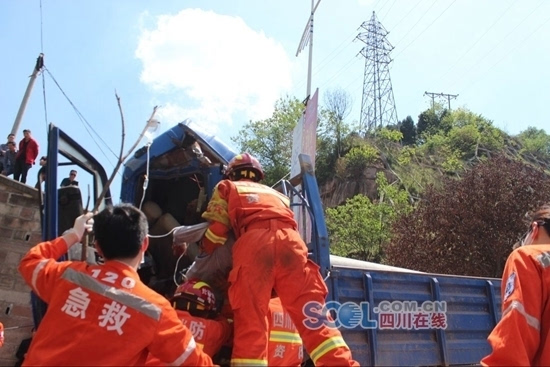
pixel 276 258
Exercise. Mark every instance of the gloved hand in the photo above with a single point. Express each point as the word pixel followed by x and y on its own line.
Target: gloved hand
pixel 82 224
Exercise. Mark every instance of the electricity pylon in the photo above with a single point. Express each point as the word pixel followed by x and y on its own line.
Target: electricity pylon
pixel 378 104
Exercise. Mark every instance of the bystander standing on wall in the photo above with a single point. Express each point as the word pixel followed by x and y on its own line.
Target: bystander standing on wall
pixel 28 151
pixel 4 149
pixel 8 160
pixel 42 171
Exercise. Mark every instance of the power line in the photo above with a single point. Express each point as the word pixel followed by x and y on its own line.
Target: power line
pixel 85 122
pixel 349 84
pixel 41 31
pixel 326 60
pixel 518 45
pixel 476 42
pixel 345 67
pixel 348 41
pixel 42 72
pixel 425 29
pixel 414 25
pixel 406 15
pixel 44 99
pixel 385 15
pixel 383 6
pixel 460 77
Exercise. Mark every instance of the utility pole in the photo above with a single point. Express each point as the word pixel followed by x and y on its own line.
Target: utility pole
pixel 444 95
pixel 37 68
pixel 307 36
pixel 433 98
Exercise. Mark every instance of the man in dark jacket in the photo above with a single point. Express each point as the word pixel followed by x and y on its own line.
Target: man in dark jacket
pixel 8 160
pixel 4 149
pixel 70 181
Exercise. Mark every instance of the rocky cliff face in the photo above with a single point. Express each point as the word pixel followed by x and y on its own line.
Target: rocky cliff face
pixel 336 191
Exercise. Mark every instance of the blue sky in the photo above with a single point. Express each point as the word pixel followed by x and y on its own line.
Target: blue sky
pixel 224 63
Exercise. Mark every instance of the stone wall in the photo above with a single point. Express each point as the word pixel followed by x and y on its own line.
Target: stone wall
pixel 19 231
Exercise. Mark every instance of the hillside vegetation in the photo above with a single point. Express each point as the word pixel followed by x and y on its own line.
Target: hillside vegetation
pixel 446 193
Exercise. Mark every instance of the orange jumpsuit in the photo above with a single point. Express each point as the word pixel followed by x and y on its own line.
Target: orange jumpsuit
pixel 1 335
pixel 210 334
pixel 101 315
pixel 285 345
pixel 268 254
pixel 521 337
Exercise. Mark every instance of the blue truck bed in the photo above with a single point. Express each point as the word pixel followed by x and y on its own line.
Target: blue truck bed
pixel 473 308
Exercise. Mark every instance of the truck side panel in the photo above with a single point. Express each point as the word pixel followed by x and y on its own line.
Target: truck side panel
pixel 472 310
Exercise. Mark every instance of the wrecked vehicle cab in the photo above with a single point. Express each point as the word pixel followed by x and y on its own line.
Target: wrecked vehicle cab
pixel 171 180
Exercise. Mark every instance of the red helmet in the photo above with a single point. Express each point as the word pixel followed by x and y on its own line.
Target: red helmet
pixel 194 295
pixel 244 166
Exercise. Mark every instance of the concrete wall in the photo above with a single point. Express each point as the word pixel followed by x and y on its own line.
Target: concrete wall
pixel 19 231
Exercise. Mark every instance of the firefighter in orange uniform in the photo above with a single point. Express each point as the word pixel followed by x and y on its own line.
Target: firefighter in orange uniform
pixel 268 254
pixel 104 315
pixel 195 305
pixel 285 345
pixel 1 335
pixel 521 337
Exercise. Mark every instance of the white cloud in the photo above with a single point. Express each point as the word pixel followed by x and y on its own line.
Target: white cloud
pixel 212 68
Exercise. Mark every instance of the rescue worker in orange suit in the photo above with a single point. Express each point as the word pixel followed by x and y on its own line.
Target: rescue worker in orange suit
pixel 195 305
pixel 268 254
pixel 521 337
pixel 103 314
pixel 1 335
pixel 285 345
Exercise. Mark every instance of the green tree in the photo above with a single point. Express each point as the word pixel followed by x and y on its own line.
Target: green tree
pixel 337 106
pixel 536 142
pixel 333 138
pixel 360 227
pixel 464 139
pixel 408 129
pixel 461 136
pixel 357 160
pixel 268 140
pixel 389 135
pixel 429 121
pixel 470 131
